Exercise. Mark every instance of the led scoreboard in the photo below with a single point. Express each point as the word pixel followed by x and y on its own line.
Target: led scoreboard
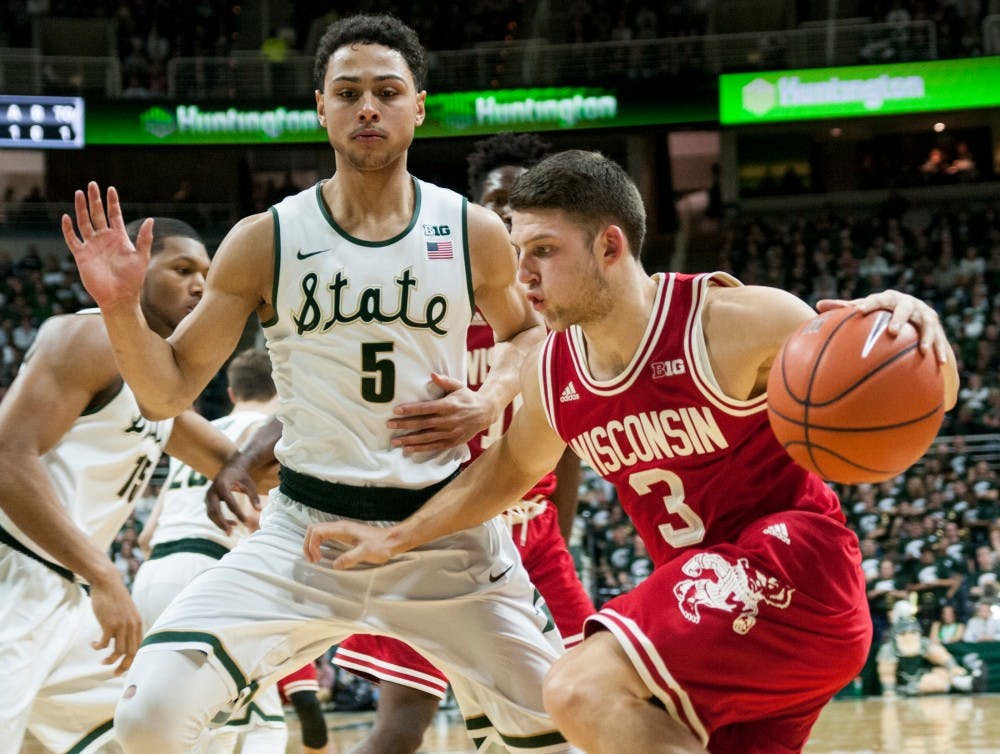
pixel 41 122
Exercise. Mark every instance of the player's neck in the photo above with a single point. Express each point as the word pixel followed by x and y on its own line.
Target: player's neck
pixel 260 407
pixel 371 205
pixel 613 340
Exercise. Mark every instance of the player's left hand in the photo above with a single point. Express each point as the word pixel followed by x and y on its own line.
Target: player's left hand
pixel 368 544
pixel 446 422
pixel 905 308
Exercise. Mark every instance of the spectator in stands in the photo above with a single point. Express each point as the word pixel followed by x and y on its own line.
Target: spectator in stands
pixel 984 625
pixel 984 580
pixel 947 629
pixel 932 171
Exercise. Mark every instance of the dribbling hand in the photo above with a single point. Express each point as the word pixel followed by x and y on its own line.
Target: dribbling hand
pixel 111 267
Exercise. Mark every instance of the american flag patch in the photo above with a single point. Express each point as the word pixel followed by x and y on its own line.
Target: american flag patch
pixel 439 250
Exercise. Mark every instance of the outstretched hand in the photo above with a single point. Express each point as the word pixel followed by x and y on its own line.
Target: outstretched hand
pixel 905 308
pixel 111 267
pixel 442 423
pixel 368 544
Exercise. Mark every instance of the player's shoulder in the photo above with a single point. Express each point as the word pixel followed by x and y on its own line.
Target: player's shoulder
pixel 753 302
pixel 74 345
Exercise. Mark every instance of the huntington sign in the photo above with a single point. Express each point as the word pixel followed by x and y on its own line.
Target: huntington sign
pixel 859 90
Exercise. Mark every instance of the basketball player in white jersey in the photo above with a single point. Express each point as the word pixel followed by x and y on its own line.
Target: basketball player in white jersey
pixel 365 285
pixel 75 454
pixel 182 542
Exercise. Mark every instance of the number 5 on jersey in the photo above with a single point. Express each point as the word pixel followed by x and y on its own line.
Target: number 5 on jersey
pixel 378 384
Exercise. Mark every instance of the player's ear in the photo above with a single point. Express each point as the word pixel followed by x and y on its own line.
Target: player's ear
pixel 320 107
pixel 613 242
pixel 421 104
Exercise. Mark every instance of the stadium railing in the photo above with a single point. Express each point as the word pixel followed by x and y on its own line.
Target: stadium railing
pixel 516 63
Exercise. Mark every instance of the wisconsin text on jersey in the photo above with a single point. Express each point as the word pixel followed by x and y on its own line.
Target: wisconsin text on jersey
pixel 637 438
pixel 368 305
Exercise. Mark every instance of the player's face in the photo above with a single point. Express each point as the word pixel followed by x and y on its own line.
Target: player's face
pixel 495 195
pixel 174 283
pixel 557 264
pixel 369 105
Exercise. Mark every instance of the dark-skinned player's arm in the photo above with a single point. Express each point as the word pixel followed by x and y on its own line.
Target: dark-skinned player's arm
pixel 167 375
pixel 255 459
pixel 455 418
pixel 68 367
pixel 566 496
pixel 504 472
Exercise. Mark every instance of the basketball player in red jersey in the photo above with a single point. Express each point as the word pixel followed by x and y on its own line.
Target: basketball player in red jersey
pixel 737 640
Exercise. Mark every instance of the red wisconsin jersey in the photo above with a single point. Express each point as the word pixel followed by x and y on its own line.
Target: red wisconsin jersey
pixel 479 346
pixel 692 466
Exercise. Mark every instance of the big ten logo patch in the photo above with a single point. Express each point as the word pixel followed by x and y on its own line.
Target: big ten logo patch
pixel 671 368
pixel 437 230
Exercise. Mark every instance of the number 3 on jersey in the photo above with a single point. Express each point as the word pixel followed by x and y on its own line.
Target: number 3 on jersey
pixel 378 383
pixel 694 530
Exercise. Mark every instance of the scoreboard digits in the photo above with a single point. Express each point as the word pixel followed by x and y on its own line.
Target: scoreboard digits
pixel 41 122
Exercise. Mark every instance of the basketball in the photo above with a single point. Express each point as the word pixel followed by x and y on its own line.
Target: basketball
pixel 852 403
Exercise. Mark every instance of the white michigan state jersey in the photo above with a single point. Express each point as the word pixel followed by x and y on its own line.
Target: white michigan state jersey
pixel 183 514
pixel 359 326
pixel 101 466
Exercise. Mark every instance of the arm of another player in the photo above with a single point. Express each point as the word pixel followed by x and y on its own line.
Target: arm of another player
pixel 907 308
pixel 455 418
pixel 567 493
pixel 68 366
pixel 166 375
pixel 508 469
pixel 256 459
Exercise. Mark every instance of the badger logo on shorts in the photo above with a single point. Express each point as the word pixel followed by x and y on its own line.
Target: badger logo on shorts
pixel 736 587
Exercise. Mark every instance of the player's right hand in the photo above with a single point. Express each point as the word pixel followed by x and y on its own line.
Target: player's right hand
pixel 233 477
pixel 119 620
pixel 111 267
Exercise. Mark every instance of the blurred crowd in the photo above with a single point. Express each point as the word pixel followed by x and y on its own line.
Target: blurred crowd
pixel 148 33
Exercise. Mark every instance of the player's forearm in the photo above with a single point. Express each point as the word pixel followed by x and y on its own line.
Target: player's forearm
pixel 479 493
pixel 147 363
pixel 503 380
pixel 28 499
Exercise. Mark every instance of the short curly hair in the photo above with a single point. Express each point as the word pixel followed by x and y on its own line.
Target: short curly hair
pixel 382 29
pixel 505 148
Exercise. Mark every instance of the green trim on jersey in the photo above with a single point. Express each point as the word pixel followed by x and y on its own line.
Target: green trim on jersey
pixel 277 266
pixel 537 741
pixel 201 637
pixel 197 545
pixel 370 244
pixel 534 741
pixel 88 739
pixel 251 709
pixel 465 251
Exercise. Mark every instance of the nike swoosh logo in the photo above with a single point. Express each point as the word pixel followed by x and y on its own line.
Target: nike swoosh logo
pixel 300 255
pixel 494 579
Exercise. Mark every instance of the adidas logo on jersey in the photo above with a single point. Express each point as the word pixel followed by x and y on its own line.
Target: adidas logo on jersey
pixel 569 394
pixel 779 531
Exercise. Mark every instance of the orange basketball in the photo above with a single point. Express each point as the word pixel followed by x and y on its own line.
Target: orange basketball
pixel 852 403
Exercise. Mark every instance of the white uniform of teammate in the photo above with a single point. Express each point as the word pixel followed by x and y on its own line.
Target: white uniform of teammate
pixel 53 682
pixel 359 327
pixel 186 543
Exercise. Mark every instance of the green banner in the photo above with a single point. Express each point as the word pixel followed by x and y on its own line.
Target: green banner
pixel 857 91
pixel 452 114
